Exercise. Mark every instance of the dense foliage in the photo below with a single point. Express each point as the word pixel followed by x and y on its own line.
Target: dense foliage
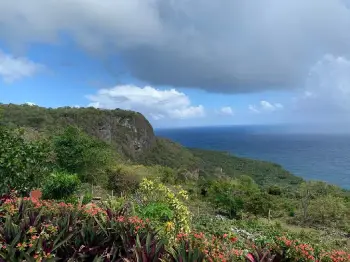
pixel 60 185
pixel 23 164
pixel 120 128
pixel 168 153
pixel 170 202
pixel 35 230
pixel 127 133
pixel 78 153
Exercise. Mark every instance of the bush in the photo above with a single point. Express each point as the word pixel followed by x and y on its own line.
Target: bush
pixel 166 174
pixel 122 178
pixel 157 212
pixel 258 204
pixel 155 195
pixel 116 204
pixel 60 185
pixel 328 210
pixel 87 198
pixel 274 190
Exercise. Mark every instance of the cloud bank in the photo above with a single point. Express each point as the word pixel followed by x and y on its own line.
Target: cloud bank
pixel 220 46
pixel 14 68
pixel 154 103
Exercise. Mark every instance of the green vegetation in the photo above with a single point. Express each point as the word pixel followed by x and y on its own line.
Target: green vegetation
pixel 128 132
pixel 263 173
pixel 41 230
pixel 187 196
pixel 23 164
pixel 60 186
pixel 167 153
pixel 78 153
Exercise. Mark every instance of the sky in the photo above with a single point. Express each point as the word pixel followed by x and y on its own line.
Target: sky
pixel 182 62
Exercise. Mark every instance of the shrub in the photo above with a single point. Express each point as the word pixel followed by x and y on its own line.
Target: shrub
pixel 115 204
pixel 122 178
pixel 157 212
pixel 60 185
pixel 152 192
pixel 166 174
pixel 258 203
pixel 328 210
pixel 274 190
pixel 87 197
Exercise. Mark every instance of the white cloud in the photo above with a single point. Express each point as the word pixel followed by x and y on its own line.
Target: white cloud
pixel 30 104
pixel 246 46
pixel 326 95
pixel 226 110
pixel 265 106
pixel 188 112
pixel 14 68
pixel 154 103
pixel 253 109
pixel 156 116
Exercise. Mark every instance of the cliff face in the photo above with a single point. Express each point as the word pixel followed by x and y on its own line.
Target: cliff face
pixel 128 132
pixel 133 133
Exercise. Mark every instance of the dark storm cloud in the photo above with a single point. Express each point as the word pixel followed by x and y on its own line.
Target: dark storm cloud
pixel 220 46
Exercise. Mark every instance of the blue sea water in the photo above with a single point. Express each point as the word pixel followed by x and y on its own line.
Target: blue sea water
pixel 324 157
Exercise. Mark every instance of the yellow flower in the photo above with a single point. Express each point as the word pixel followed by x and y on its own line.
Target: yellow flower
pixel 169 226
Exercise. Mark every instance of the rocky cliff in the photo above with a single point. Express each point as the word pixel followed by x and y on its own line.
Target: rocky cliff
pixel 128 132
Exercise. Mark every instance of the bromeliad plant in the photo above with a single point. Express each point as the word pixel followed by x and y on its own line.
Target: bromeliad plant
pixel 286 248
pixel 29 234
pixel 199 247
pixel 36 230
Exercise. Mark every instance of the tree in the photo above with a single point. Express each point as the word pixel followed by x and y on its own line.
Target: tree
pixel 258 203
pixel 318 201
pixel 76 152
pixel 23 164
pixel 305 194
pixel 226 195
pixel 328 211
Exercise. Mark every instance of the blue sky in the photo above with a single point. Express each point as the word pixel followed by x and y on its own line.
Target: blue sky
pixel 69 75
pixel 177 62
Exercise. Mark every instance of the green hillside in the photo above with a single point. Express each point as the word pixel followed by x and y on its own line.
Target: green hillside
pixel 109 164
pixel 128 132
pixel 264 173
pixel 132 136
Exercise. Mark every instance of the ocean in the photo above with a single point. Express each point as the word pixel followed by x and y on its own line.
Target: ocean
pixel 324 157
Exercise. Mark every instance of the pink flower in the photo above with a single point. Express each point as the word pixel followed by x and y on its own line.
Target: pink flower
pixel 250 257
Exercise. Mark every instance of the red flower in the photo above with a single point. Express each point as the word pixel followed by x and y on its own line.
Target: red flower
pixel 233 239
